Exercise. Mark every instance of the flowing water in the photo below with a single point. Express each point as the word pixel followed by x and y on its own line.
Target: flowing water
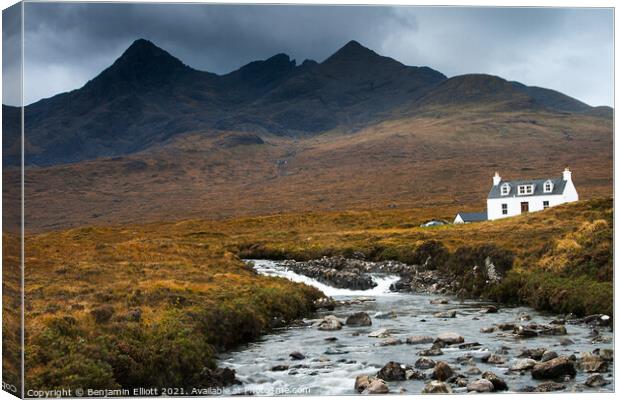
pixel 330 367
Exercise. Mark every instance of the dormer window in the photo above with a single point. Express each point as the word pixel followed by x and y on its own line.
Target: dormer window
pixel 505 189
pixel 524 190
pixel 548 188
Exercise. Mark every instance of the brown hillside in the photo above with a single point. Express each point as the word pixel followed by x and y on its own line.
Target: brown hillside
pixel 442 157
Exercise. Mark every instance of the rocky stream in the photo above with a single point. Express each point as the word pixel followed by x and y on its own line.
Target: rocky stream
pixel 386 329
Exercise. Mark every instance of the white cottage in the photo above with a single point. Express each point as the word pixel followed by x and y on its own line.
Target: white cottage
pixel 510 198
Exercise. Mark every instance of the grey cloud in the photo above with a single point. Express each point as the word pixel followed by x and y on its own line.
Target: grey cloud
pixel 570 50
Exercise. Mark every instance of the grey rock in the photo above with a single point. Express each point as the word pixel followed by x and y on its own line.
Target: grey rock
pixel 419 339
pixel 480 386
pixel 424 363
pixel 555 368
pixel 436 387
pixel 359 319
pixel 596 380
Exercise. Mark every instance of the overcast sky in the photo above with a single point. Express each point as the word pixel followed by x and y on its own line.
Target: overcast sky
pixel 570 50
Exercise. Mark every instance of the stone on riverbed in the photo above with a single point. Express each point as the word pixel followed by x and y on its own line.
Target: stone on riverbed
pixel 556 368
pixel 359 319
pixel 525 332
pixel 449 338
pixel 368 385
pixel 489 310
pixel 424 363
pixel 548 355
pixel 480 386
pixel 523 364
pixel 419 339
pixel 442 371
pixel 596 380
pixel 435 351
pixel 498 383
pixel 441 300
pixel 282 367
pixel 330 323
pixel 592 363
pixel 392 371
pixel 380 333
pixel 473 371
pixel 535 354
pixel 495 359
pixel 549 387
pixel 296 355
pixel 445 314
pixel 436 387
pixel 605 354
pixel 390 342
pixel 489 329
pixel 377 386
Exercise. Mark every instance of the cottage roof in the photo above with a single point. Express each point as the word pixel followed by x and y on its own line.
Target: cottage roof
pixel 558 188
pixel 473 216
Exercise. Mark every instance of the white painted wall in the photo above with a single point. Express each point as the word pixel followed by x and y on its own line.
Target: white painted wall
pixel 494 206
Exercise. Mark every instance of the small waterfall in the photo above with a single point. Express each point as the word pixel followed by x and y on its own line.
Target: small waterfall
pixel 271 268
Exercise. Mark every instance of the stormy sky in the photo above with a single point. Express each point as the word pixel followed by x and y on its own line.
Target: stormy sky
pixel 570 50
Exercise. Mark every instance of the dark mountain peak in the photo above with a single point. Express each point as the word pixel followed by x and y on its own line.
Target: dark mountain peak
pixel 142 65
pixel 258 73
pixel 353 52
pixel 143 53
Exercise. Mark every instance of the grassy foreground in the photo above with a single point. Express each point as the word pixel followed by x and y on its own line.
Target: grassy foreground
pixel 150 305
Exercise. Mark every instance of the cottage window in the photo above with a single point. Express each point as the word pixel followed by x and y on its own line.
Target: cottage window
pixel 504 209
pixel 505 189
pixel 548 187
pixel 545 205
pixel 526 189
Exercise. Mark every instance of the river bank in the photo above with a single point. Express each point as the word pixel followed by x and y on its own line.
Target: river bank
pixel 376 340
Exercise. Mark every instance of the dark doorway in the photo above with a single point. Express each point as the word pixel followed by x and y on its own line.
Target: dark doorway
pixel 525 207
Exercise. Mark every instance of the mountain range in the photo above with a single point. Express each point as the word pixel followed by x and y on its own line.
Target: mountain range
pixel 151 139
pixel 148 96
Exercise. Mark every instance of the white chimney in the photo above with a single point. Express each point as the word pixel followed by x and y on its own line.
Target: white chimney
pixel 496 179
pixel 566 174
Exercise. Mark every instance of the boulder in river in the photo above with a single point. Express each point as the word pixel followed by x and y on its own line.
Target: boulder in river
pixel 525 332
pixel 359 319
pixel 424 363
pixel 556 368
pixel 361 383
pixel 326 303
pixel 445 314
pixel 535 354
pixel 523 364
pixel 436 387
pixel 419 339
pixel 549 387
pixel 489 329
pixel 480 386
pixel 296 355
pixel 380 333
pixel 495 359
pixel 473 371
pixel 450 338
pixel 414 374
pixel 377 386
pixel 592 363
pixel 552 330
pixel 605 354
pixel 434 351
pixel 390 342
pixel 330 323
pixel 441 300
pixel 392 371
pixel 281 367
pixel 596 380
pixel 442 371
pixel 489 310
pixel 548 355
pixel 498 383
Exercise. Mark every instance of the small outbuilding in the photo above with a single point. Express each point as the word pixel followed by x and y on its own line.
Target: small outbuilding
pixel 465 218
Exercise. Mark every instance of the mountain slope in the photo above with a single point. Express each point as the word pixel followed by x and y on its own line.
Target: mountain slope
pixel 148 97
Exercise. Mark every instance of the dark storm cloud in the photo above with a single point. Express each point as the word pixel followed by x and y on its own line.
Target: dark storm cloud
pixel 568 50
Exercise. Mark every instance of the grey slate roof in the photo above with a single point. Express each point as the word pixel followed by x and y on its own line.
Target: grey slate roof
pixel 558 188
pixel 473 217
